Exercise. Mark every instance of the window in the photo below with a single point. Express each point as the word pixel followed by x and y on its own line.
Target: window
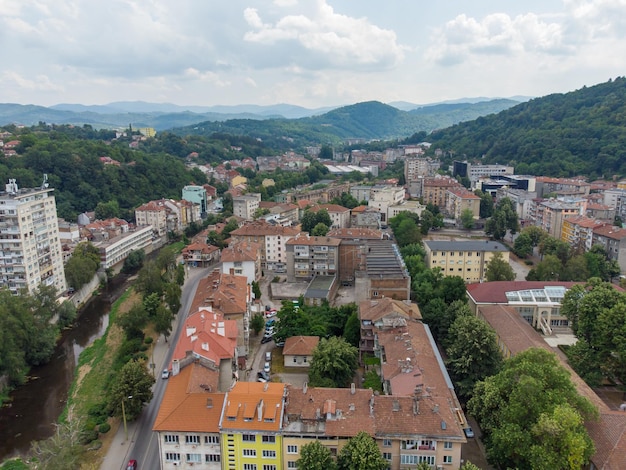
pixel 192 439
pixel 269 454
pixel 291 464
pixel 447 459
pixel 387 455
pixel 248 438
pixel 269 467
pixel 170 439
pixel 270 439
pixel 292 449
pixel 249 466
pixel 249 453
pixel 447 445
pixel 211 439
pixel 195 458
pixel 386 442
pixel 172 457
pixel 208 458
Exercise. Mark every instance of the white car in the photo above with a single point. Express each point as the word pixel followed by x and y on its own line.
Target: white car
pixel 165 374
pixel 266 368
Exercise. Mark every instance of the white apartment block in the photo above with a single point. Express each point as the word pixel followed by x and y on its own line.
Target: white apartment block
pixel 384 196
pixel 245 206
pixel 117 249
pixel 30 246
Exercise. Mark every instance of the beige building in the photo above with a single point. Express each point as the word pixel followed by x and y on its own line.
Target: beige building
pixel 460 199
pixel 298 350
pixel 339 215
pixel 434 190
pixel 309 256
pixel 383 197
pixel 466 259
pixel 243 259
pixel 245 206
pixel 550 214
pixel 30 245
pixel 154 214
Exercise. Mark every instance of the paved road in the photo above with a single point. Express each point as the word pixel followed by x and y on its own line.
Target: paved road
pixel 142 443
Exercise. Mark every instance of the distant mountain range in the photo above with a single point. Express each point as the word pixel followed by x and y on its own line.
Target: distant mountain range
pixel 163 116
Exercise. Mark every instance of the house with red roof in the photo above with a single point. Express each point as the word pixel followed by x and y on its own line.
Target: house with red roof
pixel 298 350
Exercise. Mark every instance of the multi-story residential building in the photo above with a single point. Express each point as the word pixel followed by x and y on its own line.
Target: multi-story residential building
pixel 601 212
pixel 251 426
pixel 608 431
pixel 466 259
pixel 382 314
pixel 561 187
pixel 385 274
pixel 309 256
pixel 613 240
pixel 339 215
pixel 361 192
pixel 520 198
pixel 365 217
pixel 283 214
pixel 459 200
pixel 30 245
pixel 196 195
pixel 246 206
pixel 475 172
pixel 200 254
pixel 434 190
pixel 323 195
pixel 384 196
pixel 243 259
pixel 578 232
pixel 272 238
pixel 550 214
pixel 614 198
pixel 153 214
pixel 115 250
pixel 415 170
pixel 537 302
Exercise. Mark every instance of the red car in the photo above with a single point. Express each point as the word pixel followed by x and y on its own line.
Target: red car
pixel 132 465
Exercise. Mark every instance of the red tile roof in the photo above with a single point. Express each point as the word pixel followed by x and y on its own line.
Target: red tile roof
pixel 495 292
pixel 611 231
pixel 254 406
pixel 300 345
pixel 375 310
pixel 241 251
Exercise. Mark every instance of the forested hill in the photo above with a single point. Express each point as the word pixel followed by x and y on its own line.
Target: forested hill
pixel 368 120
pixel 578 133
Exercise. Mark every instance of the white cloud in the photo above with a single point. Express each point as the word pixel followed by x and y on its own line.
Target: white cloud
pixel 326 39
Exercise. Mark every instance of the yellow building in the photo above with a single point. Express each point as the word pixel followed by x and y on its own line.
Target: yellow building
pixel 147 131
pixel 238 181
pixel 251 425
pixel 466 259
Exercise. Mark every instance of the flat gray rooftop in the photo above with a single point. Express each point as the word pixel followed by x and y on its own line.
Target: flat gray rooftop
pixel 383 259
pixel 470 245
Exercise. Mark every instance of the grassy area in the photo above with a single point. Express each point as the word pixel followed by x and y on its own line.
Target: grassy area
pixel 177 247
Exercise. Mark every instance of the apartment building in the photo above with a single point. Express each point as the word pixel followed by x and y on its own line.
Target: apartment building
pixel 466 259
pixel 434 190
pixel 365 217
pixel 339 215
pixel 577 231
pixel 200 254
pixel 413 207
pixel 309 256
pixel 613 240
pixel 550 214
pixel 243 259
pixel 562 187
pixel 30 245
pixel 474 172
pixel 167 215
pixel 115 250
pixel 272 238
pixel 520 198
pixel 459 200
pixel 384 196
pixel 246 206
pixel 196 195
pixel 251 426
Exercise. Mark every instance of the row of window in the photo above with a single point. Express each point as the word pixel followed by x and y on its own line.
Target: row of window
pixel 460 253
pixel 190 439
pixel 267 454
pixel 192 458
pixel 264 438
pixel 253 466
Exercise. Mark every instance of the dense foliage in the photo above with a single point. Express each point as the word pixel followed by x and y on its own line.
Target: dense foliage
pixel 578 133
pixel 334 363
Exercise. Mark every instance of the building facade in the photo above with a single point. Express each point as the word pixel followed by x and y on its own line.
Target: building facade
pixel 309 256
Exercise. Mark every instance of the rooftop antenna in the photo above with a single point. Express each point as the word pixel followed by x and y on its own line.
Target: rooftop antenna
pixel 44 183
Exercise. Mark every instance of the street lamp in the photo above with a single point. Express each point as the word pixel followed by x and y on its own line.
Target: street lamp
pixel 124 417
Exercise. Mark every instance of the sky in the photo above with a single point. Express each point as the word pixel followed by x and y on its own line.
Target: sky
pixel 311 53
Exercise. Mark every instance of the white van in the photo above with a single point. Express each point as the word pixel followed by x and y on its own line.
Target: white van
pixel 268 356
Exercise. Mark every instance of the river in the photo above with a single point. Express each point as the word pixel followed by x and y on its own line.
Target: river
pixel 35 407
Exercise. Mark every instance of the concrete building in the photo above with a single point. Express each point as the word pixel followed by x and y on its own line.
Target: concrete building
pixel 246 206
pixel 613 240
pixel 434 190
pixel 578 232
pixel 352 250
pixel 200 254
pixel 309 256
pixel 30 245
pixel 385 274
pixel 339 215
pixel 196 195
pixel 493 185
pixel 549 215
pixel 466 259
pixel 563 187
pixel 153 214
pixel 243 259
pixel 413 207
pixel 385 196
pixel 521 199
pixel 474 172
pixel 365 217
pixel 115 250
pixel 459 200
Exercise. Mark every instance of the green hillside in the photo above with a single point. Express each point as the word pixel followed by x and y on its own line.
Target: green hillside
pixel 578 133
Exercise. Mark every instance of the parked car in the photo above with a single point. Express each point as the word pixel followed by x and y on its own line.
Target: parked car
pixel 268 356
pixel 266 339
pixel 469 433
pixel 280 344
pixel 269 331
pixel 270 322
pixel 132 465
pixel 263 375
pixel 165 374
pixel 267 368
pixel 271 313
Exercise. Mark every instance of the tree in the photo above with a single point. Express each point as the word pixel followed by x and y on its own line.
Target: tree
pixel 361 453
pixel 133 321
pixel 467 219
pixel 133 261
pixel 256 290
pixel 523 246
pixel 149 279
pixel 473 352
pixel 257 323
pixel 334 363
pixel 509 404
pixel 314 456
pixel 433 316
pixel 63 450
pixel 133 386
pixel 320 230
pixel 549 269
pixel 498 269
pixel 172 296
pixel 486 204
pixel 469 466
pixel 352 329
pixel 504 219
pixel 107 210
pixel 163 321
